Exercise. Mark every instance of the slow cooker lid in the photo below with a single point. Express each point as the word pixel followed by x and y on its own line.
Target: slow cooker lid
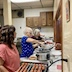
pixel 42 50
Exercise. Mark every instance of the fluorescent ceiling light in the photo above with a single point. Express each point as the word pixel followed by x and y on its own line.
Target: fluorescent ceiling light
pixel 21 1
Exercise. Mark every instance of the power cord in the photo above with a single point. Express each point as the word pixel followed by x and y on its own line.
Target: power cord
pixel 66 60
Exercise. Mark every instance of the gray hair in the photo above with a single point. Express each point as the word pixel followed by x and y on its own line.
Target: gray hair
pixel 36 31
pixel 28 29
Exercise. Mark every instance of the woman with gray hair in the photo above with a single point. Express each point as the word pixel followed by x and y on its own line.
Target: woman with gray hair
pixel 27 43
pixel 37 35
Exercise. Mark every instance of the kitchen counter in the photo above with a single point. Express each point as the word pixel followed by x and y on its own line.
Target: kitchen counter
pixel 33 61
pixel 56 67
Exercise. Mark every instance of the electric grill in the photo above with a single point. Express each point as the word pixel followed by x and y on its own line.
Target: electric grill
pixel 36 66
pixel 33 67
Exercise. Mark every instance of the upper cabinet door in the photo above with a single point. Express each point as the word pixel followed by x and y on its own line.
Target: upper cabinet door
pixel 29 21
pixel 43 18
pixel 49 18
pixel 39 20
pixel 35 21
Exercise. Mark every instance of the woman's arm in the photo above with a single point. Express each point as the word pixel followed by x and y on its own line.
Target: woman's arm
pixel 2 68
pixel 33 41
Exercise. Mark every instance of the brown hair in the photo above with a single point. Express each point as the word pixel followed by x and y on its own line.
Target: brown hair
pixel 0 26
pixel 0 30
pixel 7 35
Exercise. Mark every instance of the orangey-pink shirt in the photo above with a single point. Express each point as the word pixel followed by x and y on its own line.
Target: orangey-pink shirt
pixel 10 57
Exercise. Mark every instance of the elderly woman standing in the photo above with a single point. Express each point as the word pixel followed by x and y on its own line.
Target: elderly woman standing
pixel 37 35
pixel 27 43
pixel 9 56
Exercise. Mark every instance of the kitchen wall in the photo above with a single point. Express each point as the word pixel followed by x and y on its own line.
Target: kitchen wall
pixel 67 35
pixel 56 3
pixel 20 23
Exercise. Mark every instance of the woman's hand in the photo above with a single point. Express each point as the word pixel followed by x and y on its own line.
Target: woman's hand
pixel 41 44
pixel 35 45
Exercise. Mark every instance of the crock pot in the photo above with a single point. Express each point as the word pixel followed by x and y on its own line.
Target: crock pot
pixel 43 54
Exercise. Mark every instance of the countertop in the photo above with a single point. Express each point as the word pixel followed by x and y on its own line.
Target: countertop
pixel 56 67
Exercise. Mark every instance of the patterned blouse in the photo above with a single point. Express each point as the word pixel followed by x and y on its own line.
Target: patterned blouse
pixel 27 48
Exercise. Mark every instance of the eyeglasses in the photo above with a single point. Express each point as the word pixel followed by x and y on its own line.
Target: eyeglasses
pixel 30 33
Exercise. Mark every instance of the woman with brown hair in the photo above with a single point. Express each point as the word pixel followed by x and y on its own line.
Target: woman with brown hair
pixel 9 56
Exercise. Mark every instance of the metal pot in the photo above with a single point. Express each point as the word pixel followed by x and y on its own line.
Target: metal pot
pixel 43 54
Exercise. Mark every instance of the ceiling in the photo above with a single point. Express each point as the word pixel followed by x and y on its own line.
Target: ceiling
pixel 30 5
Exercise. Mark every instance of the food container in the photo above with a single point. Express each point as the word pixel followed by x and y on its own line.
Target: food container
pixel 43 54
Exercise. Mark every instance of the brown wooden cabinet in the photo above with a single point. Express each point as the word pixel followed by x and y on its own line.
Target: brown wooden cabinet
pixel 43 18
pixel 49 18
pixel 39 20
pixel 29 21
pixel 35 21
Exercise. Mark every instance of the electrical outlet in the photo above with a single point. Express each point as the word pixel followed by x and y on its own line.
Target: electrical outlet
pixel 68 63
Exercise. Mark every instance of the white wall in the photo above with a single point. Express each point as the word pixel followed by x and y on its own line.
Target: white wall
pixel 19 25
pixel 21 22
